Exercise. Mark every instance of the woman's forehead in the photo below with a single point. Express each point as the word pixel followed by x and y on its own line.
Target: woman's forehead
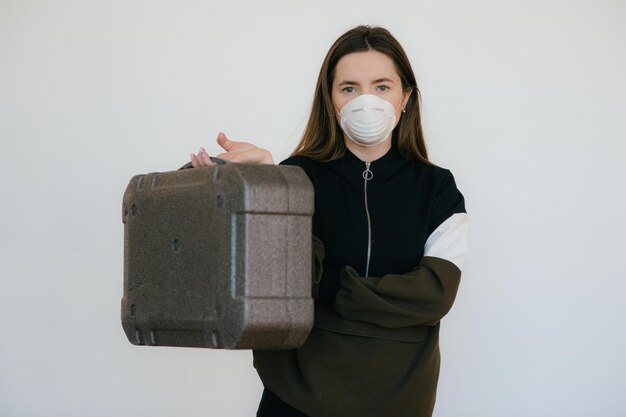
pixel 366 66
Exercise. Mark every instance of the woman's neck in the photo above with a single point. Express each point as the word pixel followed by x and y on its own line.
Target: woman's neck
pixel 368 153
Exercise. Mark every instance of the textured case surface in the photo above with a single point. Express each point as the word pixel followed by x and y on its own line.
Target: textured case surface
pixel 218 257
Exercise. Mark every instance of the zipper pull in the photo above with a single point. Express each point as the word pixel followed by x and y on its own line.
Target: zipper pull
pixel 367 174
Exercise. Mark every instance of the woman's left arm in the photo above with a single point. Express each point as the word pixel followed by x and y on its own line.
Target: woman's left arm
pixel 425 294
pixel 420 297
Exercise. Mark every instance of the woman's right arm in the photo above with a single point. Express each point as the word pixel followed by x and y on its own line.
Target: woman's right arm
pixel 241 152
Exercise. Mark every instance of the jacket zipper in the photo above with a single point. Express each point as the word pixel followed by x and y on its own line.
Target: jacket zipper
pixel 367 175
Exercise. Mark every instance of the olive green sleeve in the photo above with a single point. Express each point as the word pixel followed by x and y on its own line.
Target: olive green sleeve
pixel 420 297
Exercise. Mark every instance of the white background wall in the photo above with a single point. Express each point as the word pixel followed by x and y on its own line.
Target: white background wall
pixel 523 101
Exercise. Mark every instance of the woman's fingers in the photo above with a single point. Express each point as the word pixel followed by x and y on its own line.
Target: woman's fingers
pixel 202 159
pixel 194 161
pixel 205 157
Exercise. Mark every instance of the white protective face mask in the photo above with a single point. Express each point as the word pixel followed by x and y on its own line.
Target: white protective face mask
pixel 368 120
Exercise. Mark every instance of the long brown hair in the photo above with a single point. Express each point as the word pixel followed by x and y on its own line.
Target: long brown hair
pixel 323 138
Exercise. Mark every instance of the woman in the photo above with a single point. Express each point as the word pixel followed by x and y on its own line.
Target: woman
pixel 390 238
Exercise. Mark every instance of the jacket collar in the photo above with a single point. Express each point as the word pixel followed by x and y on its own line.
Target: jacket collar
pixel 351 167
pixel 391 156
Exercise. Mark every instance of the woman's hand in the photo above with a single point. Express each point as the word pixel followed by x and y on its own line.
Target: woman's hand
pixel 241 152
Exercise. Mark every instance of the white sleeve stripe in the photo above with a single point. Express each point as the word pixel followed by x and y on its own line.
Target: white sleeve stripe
pixel 450 240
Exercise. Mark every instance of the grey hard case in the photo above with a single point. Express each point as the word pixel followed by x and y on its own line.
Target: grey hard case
pixel 218 257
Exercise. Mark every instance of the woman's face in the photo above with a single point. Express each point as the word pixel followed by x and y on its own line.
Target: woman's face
pixel 369 72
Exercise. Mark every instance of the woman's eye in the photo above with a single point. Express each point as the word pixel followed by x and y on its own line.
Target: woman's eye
pixel 349 89
pixel 383 87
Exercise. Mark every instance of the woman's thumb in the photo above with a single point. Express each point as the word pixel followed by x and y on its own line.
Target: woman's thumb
pixel 224 142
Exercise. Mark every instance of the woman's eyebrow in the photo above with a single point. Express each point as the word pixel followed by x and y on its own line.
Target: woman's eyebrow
pixel 379 80
pixel 383 80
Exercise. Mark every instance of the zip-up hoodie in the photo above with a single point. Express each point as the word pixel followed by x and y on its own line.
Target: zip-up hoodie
pixel 389 243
